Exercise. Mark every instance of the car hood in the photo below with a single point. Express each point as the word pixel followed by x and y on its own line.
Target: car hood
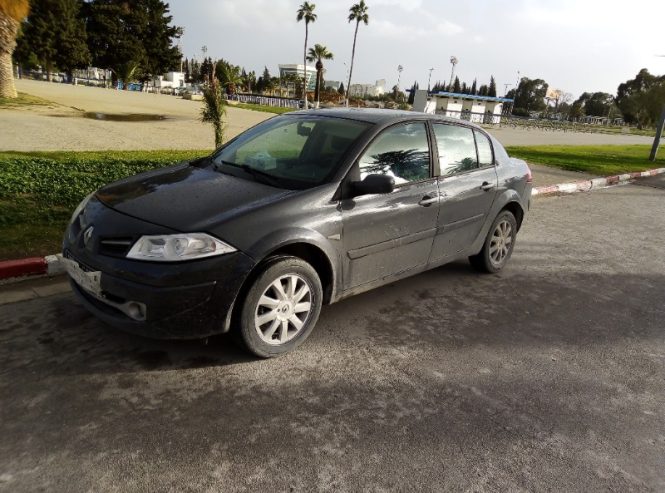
pixel 187 198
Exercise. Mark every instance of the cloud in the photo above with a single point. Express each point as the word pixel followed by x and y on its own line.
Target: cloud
pixel 389 29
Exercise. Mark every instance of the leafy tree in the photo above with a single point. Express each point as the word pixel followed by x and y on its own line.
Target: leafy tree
pixel 456 86
pixel 357 13
pixel 214 109
pixel 412 94
pixel 305 13
pixel 484 90
pixel 631 96
pixel 595 104
pixel 188 76
pixel 131 31
pixel 12 12
pixel 54 36
pixel 162 55
pixel 530 95
pixel 492 88
pixel 319 53
pixel 474 87
pixel 341 91
pixel 195 71
pixel 207 70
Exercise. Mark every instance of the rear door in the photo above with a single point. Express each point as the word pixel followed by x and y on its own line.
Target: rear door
pixel 386 234
pixel 468 186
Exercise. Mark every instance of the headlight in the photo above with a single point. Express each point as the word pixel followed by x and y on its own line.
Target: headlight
pixel 80 207
pixel 175 248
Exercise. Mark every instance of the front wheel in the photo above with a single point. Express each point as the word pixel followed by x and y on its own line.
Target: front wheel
pixel 498 246
pixel 281 307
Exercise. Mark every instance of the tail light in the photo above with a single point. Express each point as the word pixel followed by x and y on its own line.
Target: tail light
pixel 529 177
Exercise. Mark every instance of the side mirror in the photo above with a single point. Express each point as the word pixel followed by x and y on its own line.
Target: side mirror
pixel 373 184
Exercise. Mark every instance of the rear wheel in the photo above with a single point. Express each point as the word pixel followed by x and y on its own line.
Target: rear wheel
pixel 281 307
pixel 498 246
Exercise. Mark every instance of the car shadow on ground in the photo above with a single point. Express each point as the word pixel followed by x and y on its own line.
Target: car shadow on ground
pixel 445 308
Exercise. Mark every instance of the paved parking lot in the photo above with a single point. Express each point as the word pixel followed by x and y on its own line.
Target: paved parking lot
pixel 550 376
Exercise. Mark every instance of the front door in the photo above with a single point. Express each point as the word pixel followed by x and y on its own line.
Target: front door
pixel 468 186
pixel 391 233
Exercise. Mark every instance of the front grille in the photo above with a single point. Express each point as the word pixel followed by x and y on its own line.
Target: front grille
pixel 115 247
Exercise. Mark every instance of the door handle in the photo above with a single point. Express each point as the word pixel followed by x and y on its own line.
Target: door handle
pixel 426 201
pixel 487 186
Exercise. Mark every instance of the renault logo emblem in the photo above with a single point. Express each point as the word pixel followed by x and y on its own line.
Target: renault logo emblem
pixel 87 235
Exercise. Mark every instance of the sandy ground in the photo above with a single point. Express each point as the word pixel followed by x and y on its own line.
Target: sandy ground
pixel 61 127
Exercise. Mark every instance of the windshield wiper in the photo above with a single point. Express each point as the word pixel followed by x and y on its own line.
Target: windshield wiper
pixel 256 173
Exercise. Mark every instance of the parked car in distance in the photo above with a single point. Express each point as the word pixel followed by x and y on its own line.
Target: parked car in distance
pixel 302 210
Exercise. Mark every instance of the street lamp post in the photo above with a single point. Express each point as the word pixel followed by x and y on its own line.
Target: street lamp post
pixel 429 80
pixel 453 61
pixel 399 76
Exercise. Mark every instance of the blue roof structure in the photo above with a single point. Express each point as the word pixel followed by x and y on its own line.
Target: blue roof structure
pixel 470 96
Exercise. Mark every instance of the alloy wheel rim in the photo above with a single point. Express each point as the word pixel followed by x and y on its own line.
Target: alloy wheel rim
pixel 283 309
pixel 502 240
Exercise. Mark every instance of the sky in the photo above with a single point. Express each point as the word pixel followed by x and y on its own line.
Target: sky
pixel 574 45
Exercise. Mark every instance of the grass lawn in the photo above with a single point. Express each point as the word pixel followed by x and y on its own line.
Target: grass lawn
pixel 265 109
pixel 24 99
pixel 597 160
pixel 39 191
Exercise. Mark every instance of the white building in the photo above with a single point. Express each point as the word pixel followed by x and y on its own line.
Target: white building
pixel 170 80
pixel 478 109
pixel 365 90
pixel 297 69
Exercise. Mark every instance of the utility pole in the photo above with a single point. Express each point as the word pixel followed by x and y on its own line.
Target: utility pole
pixel 399 76
pixel 429 80
pixel 659 133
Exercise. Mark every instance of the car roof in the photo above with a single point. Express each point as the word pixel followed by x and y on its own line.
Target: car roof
pixel 378 116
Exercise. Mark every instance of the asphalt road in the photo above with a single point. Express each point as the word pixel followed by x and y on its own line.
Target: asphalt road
pixel 549 376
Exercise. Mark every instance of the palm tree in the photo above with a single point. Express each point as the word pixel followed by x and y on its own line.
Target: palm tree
pixel 126 72
pixel 231 78
pixel 12 12
pixel 358 13
pixel 319 53
pixel 214 109
pixel 306 13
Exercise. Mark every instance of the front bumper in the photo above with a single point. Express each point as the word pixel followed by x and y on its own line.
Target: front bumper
pixel 183 300
pixel 187 311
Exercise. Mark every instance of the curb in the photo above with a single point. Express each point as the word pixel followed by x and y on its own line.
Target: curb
pixel 588 185
pixel 51 265
pixel 17 270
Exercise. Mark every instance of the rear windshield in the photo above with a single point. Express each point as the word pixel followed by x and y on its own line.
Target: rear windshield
pixel 291 152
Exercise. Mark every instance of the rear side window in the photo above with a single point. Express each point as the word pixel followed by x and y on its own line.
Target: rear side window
pixel 485 156
pixel 457 149
pixel 401 151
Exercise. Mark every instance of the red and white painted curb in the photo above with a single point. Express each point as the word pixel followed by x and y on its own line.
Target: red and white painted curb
pixel 51 265
pixel 595 183
pixel 11 270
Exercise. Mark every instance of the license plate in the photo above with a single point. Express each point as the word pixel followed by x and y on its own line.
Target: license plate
pixel 90 281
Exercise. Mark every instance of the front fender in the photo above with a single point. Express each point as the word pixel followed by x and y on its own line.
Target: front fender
pixel 285 237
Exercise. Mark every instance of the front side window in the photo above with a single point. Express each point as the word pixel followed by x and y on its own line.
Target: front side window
pixel 291 152
pixel 457 149
pixel 401 151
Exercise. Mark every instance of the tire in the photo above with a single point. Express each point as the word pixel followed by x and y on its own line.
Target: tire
pixel 274 321
pixel 501 235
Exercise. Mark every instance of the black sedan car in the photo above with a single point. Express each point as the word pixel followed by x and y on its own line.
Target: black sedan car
pixel 303 209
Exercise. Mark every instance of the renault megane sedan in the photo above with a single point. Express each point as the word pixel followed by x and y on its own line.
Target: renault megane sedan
pixel 301 210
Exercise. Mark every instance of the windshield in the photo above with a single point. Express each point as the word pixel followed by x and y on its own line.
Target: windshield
pixel 291 152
